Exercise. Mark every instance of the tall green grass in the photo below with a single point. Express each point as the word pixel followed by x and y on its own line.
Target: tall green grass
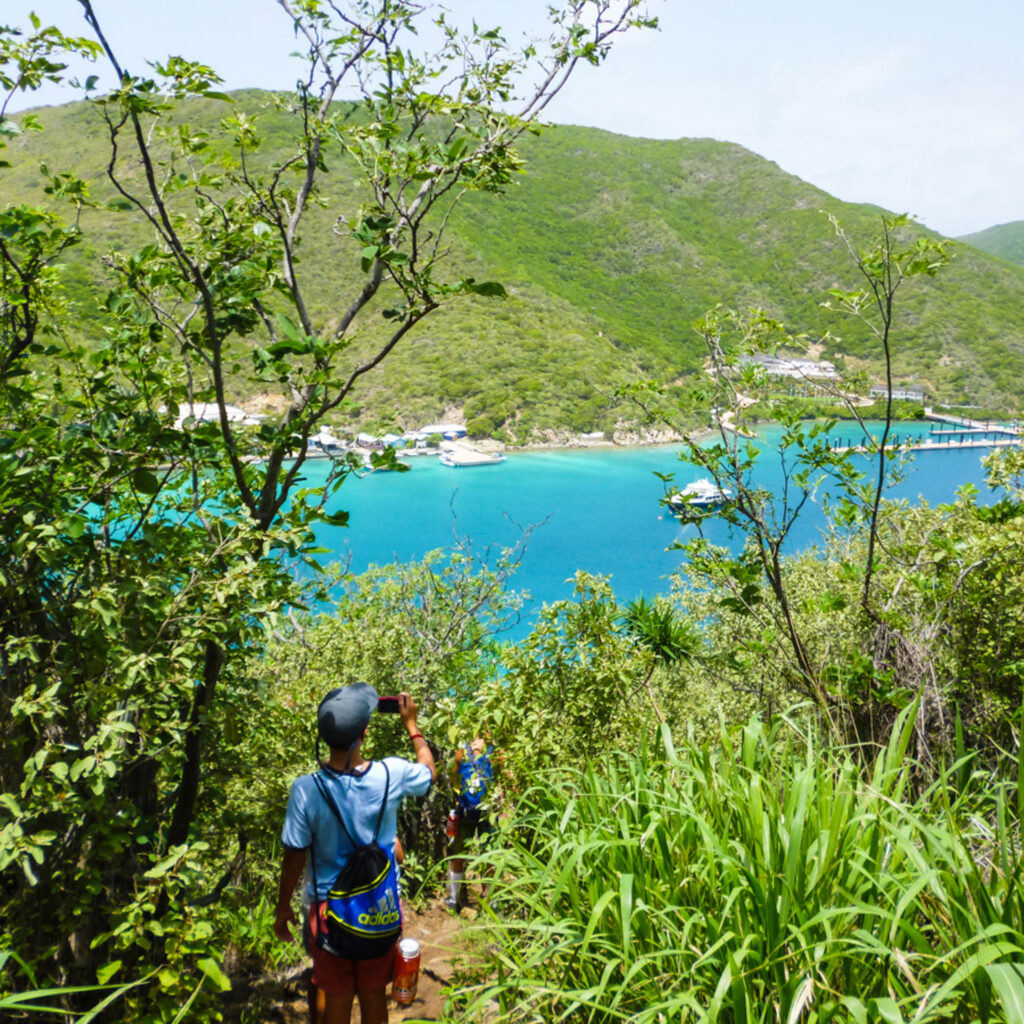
pixel 766 878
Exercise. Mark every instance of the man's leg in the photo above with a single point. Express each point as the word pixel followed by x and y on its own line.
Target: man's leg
pixel 331 972
pixel 373 1006
pixel 337 1009
pixel 456 876
pixel 486 830
pixel 315 999
pixel 456 866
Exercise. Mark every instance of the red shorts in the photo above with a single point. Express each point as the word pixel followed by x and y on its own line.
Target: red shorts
pixel 338 976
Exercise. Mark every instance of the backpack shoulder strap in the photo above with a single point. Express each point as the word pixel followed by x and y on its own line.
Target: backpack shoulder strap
pixel 326 794
pixel 384 802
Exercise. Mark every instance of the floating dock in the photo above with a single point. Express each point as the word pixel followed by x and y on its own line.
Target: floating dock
pixel 966 426
pixel 462 456
pixel 955 432
pixel 926 444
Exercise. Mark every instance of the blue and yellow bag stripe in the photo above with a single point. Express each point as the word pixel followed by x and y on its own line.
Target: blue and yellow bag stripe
pixel 371 912
pixel 369 887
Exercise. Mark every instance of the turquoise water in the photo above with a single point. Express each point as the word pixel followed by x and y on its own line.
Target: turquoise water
pixel 599 509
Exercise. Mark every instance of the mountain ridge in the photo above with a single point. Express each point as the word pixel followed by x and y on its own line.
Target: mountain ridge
pixel 1003 240
pixel 611 247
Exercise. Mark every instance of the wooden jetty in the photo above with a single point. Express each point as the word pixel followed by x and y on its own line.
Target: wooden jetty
pixel 967 426
pixel 926 444
pixel 954 432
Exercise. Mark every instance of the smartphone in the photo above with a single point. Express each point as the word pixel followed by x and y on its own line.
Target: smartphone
pixel 387 705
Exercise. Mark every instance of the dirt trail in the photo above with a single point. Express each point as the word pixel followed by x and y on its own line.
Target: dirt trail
pixel 281 998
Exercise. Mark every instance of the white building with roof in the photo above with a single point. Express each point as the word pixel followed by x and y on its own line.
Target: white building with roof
pixel 209 412
pixel 799 369
pixel 448 430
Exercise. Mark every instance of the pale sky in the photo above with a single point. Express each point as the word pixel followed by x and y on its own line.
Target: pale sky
pixel 915 105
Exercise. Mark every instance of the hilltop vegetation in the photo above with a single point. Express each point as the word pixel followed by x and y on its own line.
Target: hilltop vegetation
pixel 610 248
pixel 1003 240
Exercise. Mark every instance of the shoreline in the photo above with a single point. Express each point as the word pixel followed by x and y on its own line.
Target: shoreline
pixel 627 440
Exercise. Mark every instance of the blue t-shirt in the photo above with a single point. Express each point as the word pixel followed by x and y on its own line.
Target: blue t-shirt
pixel 310 821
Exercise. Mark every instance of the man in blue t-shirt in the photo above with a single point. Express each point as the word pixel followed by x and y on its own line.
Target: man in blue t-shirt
pixel 358 788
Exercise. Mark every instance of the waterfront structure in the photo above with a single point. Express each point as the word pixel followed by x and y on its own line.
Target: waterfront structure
pixel 796 369
pixel 449 431
pixel 908 394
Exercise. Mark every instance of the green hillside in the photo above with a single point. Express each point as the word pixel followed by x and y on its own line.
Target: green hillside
pixel 610 247
pixel 1003 240
pixel 646 235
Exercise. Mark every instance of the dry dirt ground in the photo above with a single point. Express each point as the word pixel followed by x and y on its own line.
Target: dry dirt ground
pixel 281 998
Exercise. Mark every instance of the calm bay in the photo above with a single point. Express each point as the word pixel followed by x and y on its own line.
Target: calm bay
pixel 598 511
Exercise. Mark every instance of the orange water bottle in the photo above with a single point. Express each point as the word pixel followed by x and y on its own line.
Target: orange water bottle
pixel 407 972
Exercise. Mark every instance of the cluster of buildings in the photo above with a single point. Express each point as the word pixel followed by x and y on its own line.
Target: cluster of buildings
pixel 796 369
pixel 325 441
pixel 208 411
pixel 909 394
pixel 412 438
pixel 815 375
pixel 332 445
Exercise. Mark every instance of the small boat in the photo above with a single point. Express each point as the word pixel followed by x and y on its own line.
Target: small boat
pixel 699 496
pixel 462 457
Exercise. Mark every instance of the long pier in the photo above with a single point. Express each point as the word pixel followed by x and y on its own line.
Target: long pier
pixel 961 433
pixel 967 426
pixel 965 434
pixel 926 444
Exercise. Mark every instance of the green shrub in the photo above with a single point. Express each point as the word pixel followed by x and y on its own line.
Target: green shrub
pixel 481 426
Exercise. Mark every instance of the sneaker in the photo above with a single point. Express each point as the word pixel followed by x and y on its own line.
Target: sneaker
pixel 451 904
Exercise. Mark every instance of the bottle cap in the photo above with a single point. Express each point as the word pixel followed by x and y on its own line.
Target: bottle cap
pixel 408 947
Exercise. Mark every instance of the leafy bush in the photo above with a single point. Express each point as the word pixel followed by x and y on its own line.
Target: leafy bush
pixel 481 426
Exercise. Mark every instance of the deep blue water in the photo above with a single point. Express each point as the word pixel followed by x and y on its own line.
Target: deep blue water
pixel 601 508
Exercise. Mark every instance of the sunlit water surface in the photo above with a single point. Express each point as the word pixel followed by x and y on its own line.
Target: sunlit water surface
pixel 599 510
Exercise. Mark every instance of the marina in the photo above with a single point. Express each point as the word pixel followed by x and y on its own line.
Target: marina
pixel 954 432
pixel 601 511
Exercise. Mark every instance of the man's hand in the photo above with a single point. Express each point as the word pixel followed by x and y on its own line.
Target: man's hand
pixel 407 709
pixel 283 921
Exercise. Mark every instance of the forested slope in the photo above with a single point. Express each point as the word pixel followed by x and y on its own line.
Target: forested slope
pixel 1003 240
pixel 610 247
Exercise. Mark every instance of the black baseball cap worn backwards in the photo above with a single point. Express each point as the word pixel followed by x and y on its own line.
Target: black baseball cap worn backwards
pixel 344 714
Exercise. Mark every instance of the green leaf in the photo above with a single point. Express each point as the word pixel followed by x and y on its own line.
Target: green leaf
pixel 145 481
pixel 887 1010
pixel 74 526
pixel 289 328
pixel 491 288
pixel 1008 982
pixel 831 602
pixel 339 518
pixel 857 1010
pixel 161 869
pixel 213 971
pixel 107 971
